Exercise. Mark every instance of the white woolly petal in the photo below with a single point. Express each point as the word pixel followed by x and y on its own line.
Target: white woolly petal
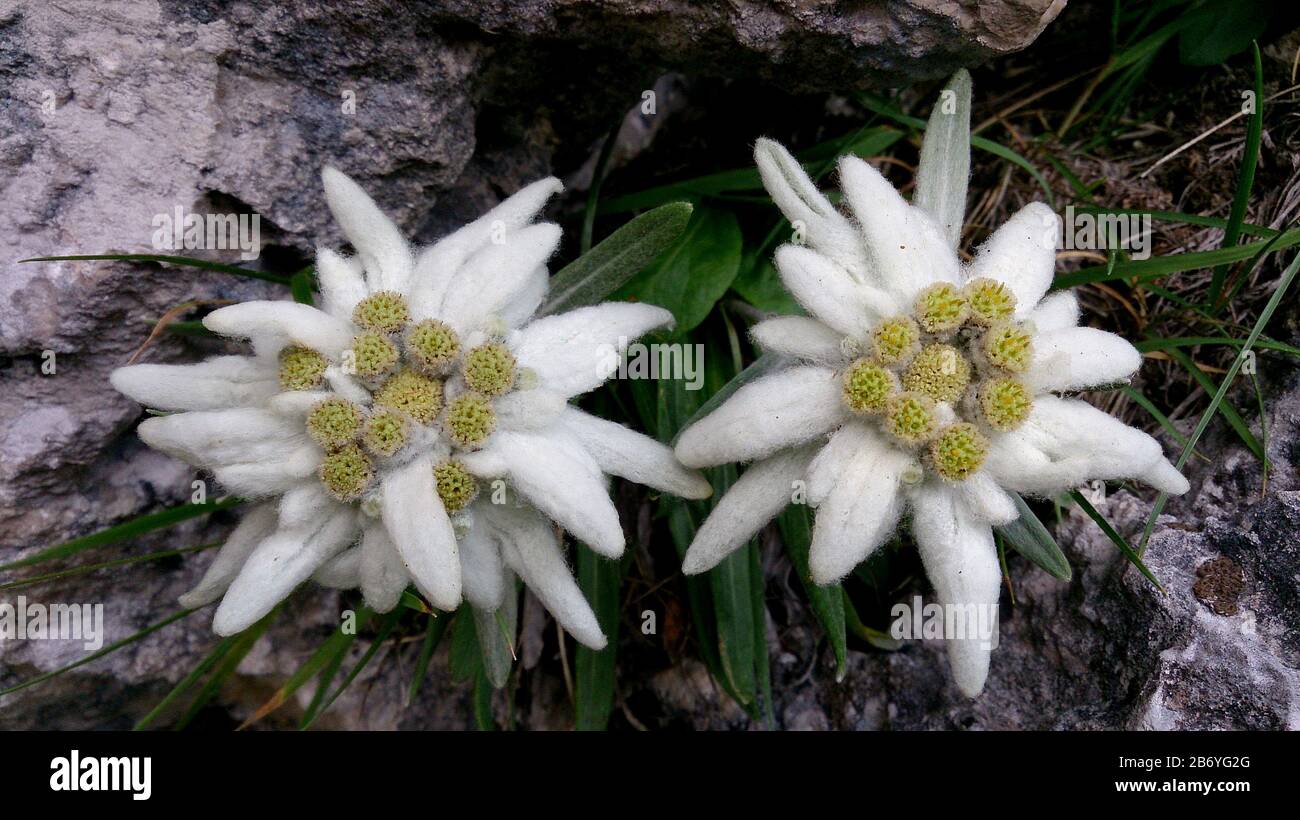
pixel 305 504
pixel 907 249
pixel 1165 477
pixel 1022 255
pixel 256 525
pixel 342 282
pixel 1066 442
pixel 758 496
pixel 480 564
pixel 961 561
pixel 636 457
pixel 528 409
pixel 297 323
pixel 986 500
pixel 383 576
pixel 296 404
pixel 833 459
pixel 263 478
pixel 1056 311
pixel 438 265
pixel 420 529
pixel 828 292
pixel 493 276
pixel 278 564
pixel 488 462
pixel 225 381
pixel 1078 358
pixel 219 437
pixel 343 571
pixel 797 196
pixel 859 513
pixel 577 351
pixel 530 548
pixel 521 307
pixel 346 385
pixel 555 474
pixel 790 407
pixel 801 338
pixel 384 254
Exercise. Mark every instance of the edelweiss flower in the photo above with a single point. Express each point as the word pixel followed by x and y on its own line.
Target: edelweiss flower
pixel 920 388
pixel 368 424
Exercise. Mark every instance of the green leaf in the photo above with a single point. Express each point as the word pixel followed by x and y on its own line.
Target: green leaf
pixel 300 285
pixel 731 585
pixel 466 658
pixel 620 256
pixel 594 672
pixel 693 274
pixel 1219 29
pixel 108 650
pixel 183 261
pixel 827 602
pixel 496 635
pixel 759 284
pixel 865 142
pixel 483 703
pixel 1030 538
pixel 127 529
pixel 1115 538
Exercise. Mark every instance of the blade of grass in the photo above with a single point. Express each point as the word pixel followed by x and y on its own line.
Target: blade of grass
pixel 432 638
pixel 108 650
pixel 127 529
pixel 182 261
pixel 593 192
pixel 335 645
pixel 218 652
pixel 1245 181
pixel 1230 414
pixel 386 627
pixel 1117 539
pixel 1284 283
pixel 239 649
pixel 1159 266
pixel 88 568
pixel 1146 404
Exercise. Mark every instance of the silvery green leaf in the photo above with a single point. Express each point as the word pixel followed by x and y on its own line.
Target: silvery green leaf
pixel 944 169
pixel 1030 538
pixel 603 270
